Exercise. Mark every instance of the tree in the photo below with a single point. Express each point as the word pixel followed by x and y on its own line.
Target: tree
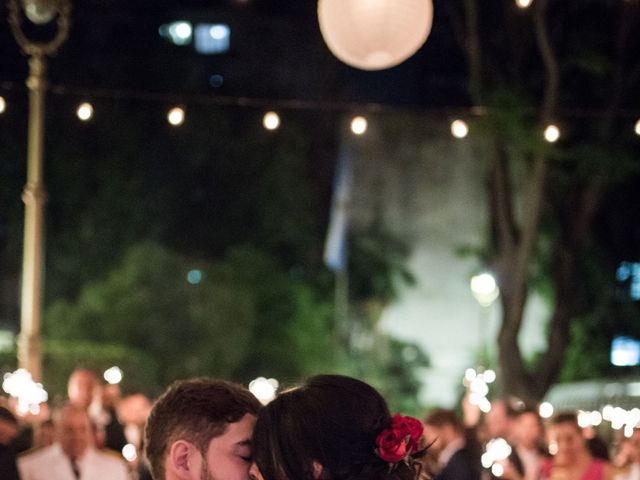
pixel 527 69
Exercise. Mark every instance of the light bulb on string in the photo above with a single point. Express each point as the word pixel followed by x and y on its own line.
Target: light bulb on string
pixel 637 128
pixel 176 116
pixel 85 111
pixel 524 3
pixel 3 105
pixel 459 128
pixel 359 125
pixel 271 121
pixel 551 133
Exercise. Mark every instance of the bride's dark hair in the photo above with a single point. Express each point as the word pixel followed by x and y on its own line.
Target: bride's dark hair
pixel 332 421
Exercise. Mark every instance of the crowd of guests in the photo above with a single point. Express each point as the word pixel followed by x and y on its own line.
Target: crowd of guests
pixel 330 428
pixel 530 448
pixel 84 437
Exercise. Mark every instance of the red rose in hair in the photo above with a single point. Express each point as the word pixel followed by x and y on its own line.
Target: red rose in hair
pixel 391 445
pixel 411 427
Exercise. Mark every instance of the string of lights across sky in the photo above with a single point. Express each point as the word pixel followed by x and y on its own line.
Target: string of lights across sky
pixel 176 111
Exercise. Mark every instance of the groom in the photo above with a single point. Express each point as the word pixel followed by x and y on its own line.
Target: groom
pixel 201 430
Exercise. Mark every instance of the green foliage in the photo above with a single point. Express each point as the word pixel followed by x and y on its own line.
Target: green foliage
pixel 245 318
pixel 147 303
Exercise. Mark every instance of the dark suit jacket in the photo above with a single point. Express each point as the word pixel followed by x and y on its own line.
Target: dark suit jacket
pixel 460 467
pixel 8 469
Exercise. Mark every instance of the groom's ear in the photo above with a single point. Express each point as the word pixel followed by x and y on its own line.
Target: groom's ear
pixel 183 460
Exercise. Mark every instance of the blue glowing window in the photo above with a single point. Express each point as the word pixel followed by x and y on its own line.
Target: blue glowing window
pixel 212 38
pixel 625 352
pixel 630 272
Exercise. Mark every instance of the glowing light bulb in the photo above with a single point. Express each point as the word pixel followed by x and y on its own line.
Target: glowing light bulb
pixel 271 120
pixel 584 419
pixel 459 129
pixel 129 452
pixel 489 376
pixel 484 289
pixel 176 116
pixel 3 105
pixel 546 410
pixel 637 128
pixel 20 385
pixel 470 374
pixel 40 12
pixel 551 133
pixel 85 111
pixel 497 470
pixel 524 3
pixel 113 375
pixel 182 30
pixel 359 125
pixel 264 389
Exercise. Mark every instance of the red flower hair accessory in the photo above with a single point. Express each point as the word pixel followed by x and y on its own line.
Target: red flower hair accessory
pixel 399 441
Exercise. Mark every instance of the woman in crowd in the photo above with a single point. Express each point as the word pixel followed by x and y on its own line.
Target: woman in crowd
pixel 334 428
pixel 572 460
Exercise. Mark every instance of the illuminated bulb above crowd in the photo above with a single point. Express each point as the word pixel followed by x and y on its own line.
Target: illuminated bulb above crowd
pixel 459 129
pixel 85 111
pixel 359 125
pixel 176 116
pixel 551 133
pixel 271 121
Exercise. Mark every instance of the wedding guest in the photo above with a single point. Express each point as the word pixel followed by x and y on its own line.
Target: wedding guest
pixel 572 459
pixel 74 455
pixel 526 458
pixel 8 430
pixel 454 460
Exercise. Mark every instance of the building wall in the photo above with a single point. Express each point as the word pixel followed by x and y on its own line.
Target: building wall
pixel 428 188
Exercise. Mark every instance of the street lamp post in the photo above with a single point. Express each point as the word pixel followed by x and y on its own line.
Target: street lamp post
pixel 39 12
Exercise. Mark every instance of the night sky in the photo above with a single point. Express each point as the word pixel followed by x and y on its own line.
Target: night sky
pixel 115 50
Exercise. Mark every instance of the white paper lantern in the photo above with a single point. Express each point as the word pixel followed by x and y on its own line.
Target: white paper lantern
pixel 374 34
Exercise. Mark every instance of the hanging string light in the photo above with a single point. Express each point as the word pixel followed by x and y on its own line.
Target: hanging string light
pixel 85 111
pixel 524 3
pixel 271 120
pixel 459 128
pixel 551 133
pixel 176 116
pixel 359 125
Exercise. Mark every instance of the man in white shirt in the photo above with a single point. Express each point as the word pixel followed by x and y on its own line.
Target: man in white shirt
pixel 73 456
